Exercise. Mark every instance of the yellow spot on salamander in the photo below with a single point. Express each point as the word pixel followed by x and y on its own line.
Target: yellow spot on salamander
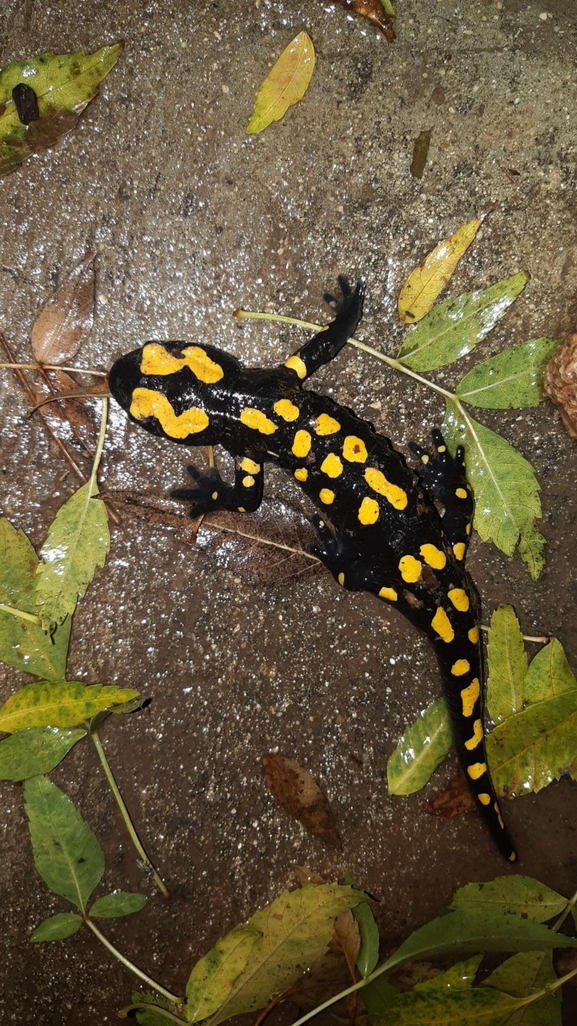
pixel 332 465
pixel 477 736
pixel 250 466
pixel 341 578
pixel 460 667
pixel 302 444
pixel 499 816
pixel 326 496
pixel 461 493
pixel 148 403
pixel 392 493
pixel 287 410
pixel 459 550
pixel 473 635
pixel 156 360
pixel 248 481
pixel 354 449
pixel 410 569
pixel 476 770
pixel 301 474
pixel 425 459
pixel 469 697
pixel 388 593
pixel 325 425
pixel 295 364
pixel 442 625
pixel 214 496
pixel 368 511
pixel 442 448
pixel 468 529
pixel 433 556
pixel 513 856
pixel 459 598
pixel 485 799
pixel 257 420
pixel 241 509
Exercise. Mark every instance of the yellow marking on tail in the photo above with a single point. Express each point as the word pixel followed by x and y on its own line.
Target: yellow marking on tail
pixel 476 770
pixel 469 696
pixel 459 598
pixel 460 667
pixel 459 549
pixel 442 625
pixel 250 466
pixel 472 743
pixel 297 365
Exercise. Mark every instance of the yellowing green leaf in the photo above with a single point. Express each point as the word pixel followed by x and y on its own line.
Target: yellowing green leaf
pixel 22 644
pixel 507 661
pixel 59 704
pixel 214 976
pixel 530 749
pixel 57 927
pixel 506 489
pixel 286 83
pixel 446 1007
pixel 36 750
pixel 294 931
pixel 66 852
pixel 454 328
pixel 549 674
pixel 77 543
pixel 424 284
pixel 64 84
pixel 422 747
pixel 511 380
pixel 520 895
pixel 523 975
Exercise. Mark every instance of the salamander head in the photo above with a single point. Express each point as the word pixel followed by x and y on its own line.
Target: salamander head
pixel 178 390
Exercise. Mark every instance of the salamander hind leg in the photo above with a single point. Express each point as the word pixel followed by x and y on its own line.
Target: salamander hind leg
pixel 340 556
pixel 443 477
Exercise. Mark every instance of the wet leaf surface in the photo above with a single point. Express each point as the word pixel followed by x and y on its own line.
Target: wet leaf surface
pixel 66 319
pixel 523 975
pixel 511 380
pixel 285 85
pixel 379 12
pixel 424 284
pixel 298 793
pixel 520 895
pixel 59 704
pixel 35 750
pixel 422 747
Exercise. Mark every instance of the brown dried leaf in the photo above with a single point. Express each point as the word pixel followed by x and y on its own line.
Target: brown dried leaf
pixel 565 963
pixel 560 381
pixel 374 11
pixel 68 418
pixel 347 939
pixel 299 795
pixel 66 318
pixel 306 878
pixel 453 801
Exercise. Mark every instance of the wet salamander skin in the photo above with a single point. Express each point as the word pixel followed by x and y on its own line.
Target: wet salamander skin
pixel 379 529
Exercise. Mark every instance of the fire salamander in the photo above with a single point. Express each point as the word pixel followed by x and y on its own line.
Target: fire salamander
pixel 380 529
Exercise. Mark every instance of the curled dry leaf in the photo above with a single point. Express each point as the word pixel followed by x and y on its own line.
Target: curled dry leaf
pixel 374 11
pixel 453 801
pixel 300 796
pixel 67 317
pixel 561 382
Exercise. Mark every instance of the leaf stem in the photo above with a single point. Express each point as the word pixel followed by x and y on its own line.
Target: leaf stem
pixel 126 816
pixel 53 367
pixel 100 446
pixel 21 614
pixel 130 965
pixel 149 1007
pixel 568 908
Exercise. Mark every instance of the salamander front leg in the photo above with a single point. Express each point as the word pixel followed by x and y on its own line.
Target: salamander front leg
pixel 212 493
pixel 444 478
pixel 328 342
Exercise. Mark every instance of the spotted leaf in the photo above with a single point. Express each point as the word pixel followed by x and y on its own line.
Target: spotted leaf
pixel 424 284
pixel 60 704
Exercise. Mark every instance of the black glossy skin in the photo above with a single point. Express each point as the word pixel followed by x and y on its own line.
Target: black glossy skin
pixel 380 530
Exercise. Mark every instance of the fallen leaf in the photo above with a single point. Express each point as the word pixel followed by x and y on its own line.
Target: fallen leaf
pixel 299 795
pixel 380 12
pixel 306 877
pixel 560 381
pixel 63 84
pixel 420 153
pixel 511 380
pixel 66 318
pixel 424 744
pixel 285 85
pixel 507 662
pixel 66 417
pixel 453 800
pixel 424 284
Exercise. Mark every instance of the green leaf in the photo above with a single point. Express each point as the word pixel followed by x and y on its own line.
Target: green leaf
pixel 64 84
pixel 378 997
pixel 444 1007
pixel 506 489
pixel 523 975
pixel 459 977
pixel 36 750
pixel 464 932
pixel 152 1016
pixel 507 661
pixel 23 645
pixel 119 903
pixel 369 933
pixel 214 976
pixel 519 895
pixel 549 674
pixel 295 929
pixel 57 927
pixel 422 747
pixel 77 543
pixel 59 704
pixel 66 853
pixel 511 380
pixel 529 750
pixel 454 328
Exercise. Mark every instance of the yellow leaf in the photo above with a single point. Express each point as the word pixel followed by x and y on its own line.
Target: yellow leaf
pixel 424 284
pixel 286 84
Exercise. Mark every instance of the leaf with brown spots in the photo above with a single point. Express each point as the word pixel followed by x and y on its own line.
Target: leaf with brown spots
pixel 67 317
pixel 299 795
pixel 379 12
